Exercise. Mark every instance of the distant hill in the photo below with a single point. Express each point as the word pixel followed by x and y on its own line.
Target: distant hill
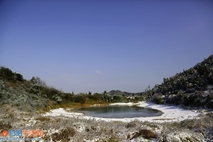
pixel 122 93
pixel 192 87
pixel 118 92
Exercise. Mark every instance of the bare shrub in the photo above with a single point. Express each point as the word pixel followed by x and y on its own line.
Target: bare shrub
pixel 43 119
pixel 113 138
pixel 64 134
pixel 5 125
pixel 131 124
pixel 147 134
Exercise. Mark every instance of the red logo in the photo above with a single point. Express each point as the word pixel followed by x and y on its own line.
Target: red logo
pixel 4 133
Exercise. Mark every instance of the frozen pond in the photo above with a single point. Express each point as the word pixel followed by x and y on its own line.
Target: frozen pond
pixel 169 113
pixel 118 111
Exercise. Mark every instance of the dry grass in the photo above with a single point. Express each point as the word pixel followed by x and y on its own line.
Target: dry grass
pixel 70 106
pixel 147 134
pixel 5 125
pixel 131 124
pixel 64 135
pixel 114 138
pixel 42 119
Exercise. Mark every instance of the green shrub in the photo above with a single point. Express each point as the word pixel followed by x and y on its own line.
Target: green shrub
pixel 80 99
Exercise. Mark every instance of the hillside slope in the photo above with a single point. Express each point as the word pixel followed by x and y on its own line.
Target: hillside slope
pixel 27 95
pixel 34 94
pixel 192 87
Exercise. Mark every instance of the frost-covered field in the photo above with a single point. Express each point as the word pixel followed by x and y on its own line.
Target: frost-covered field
pixel 175 124
pixel 172 125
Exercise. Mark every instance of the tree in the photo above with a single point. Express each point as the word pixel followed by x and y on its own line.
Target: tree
pixel 33 80
pixel 97 96
pixel 6 73
pixel 38 81
pixel 90 93
pixel 80 99
pixel 117 98
pixel 19 77
pixel 57 98
pixel 105 92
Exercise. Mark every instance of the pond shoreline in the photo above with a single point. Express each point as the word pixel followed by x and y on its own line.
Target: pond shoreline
pixel 170 113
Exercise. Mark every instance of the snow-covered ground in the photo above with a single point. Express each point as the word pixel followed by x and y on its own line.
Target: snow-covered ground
pixel 170 113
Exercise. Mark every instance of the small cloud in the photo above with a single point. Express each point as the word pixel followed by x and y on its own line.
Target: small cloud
pixel 133 75
pixel 98 72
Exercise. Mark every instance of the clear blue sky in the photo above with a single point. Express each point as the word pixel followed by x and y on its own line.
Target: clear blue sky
pixel 97 45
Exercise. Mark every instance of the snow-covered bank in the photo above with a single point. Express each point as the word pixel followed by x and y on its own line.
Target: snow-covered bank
pixel 170 113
